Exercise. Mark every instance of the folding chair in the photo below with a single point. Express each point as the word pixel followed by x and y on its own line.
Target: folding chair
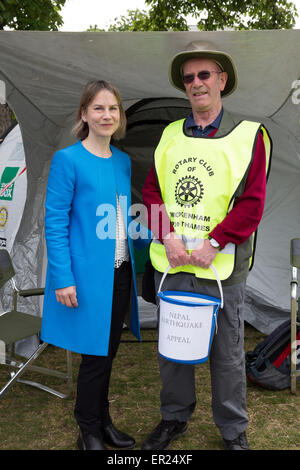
pixel 15 326
pixel 295 313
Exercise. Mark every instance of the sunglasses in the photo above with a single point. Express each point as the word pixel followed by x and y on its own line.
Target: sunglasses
pixel 203 75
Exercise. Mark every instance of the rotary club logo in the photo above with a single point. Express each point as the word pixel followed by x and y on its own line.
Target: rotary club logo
pixel 189 191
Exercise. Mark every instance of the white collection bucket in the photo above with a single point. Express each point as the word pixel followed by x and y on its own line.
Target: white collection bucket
pixel 187 322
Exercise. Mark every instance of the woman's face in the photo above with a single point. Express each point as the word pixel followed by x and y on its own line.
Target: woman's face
pixel 102 115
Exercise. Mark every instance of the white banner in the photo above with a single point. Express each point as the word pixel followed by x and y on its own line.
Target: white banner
pixel 13 186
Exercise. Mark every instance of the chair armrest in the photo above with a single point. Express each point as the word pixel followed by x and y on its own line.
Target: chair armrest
pixel 295 252
pixel 31 292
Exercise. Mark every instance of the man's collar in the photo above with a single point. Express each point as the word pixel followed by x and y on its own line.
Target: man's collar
pixel 190 122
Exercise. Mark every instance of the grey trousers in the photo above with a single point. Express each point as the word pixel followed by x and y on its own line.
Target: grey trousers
pixel 227 362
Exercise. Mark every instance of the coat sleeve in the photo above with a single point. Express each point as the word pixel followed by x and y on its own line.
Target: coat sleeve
pixel 60 192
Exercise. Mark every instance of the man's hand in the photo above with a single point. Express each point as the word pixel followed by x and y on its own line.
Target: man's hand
pixel 203 255
pixel 67 296
pixel 175 251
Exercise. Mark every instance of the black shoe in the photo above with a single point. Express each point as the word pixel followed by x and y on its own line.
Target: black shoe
pixel 239 443
pixel 88 441
pixel 116 438
pixel 164 433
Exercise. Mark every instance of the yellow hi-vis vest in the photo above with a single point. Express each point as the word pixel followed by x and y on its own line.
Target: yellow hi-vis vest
pixel 199 179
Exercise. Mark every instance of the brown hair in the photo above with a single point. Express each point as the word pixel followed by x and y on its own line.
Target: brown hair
pixel 90 90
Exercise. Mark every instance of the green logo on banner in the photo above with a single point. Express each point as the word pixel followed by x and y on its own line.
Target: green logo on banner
pixel 6 189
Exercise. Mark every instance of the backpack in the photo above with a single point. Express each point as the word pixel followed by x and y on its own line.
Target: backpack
pixel 269 364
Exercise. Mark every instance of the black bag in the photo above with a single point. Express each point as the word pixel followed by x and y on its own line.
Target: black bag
pixel 148 285
pixel 269 364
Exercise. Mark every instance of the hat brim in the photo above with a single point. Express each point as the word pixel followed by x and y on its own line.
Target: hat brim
pixel 220 57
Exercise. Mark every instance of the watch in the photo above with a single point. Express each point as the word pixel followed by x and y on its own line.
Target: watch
pixel 214 243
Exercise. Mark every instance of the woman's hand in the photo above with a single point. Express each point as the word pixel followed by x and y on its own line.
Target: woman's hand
pixel 67 296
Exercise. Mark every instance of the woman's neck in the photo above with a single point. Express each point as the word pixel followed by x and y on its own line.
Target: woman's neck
pixel 99 146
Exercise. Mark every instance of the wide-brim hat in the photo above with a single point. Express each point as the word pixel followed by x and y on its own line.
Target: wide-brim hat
pixel 203 50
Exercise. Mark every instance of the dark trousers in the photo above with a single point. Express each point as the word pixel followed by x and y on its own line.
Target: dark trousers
pixel 92 404
pixel 227 362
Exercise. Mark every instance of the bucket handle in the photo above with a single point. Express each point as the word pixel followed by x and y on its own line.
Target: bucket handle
pixel 212 268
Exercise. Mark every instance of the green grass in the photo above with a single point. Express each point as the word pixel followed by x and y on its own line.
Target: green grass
pixel 31 419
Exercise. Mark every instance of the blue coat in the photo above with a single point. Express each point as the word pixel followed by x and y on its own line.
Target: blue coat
pixel 80 252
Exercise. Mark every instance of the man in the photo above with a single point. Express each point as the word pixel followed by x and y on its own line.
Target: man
pixel 209 178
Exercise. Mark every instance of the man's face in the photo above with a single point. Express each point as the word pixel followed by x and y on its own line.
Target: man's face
pixel 204 94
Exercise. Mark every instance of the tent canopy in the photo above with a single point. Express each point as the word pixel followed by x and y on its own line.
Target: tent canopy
pixel 44 73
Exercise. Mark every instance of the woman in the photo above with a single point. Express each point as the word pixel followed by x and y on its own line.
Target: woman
pixel 90 258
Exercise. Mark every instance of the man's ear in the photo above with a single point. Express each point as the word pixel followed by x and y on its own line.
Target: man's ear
pixel 223 80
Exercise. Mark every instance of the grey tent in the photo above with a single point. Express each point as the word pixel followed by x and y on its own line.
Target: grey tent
pixel 44 73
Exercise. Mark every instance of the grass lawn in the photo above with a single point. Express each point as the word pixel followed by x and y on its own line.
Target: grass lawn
pixel 31 419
